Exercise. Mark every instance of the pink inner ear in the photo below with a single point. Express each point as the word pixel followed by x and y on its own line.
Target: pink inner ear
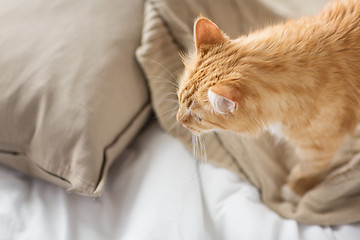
pixel 206 32
pixel 222 99
pixel 224 91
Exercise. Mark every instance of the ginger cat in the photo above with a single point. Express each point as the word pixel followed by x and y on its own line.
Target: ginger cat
pixel 302 76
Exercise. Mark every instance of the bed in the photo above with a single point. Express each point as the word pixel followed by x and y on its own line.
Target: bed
pixel 155 189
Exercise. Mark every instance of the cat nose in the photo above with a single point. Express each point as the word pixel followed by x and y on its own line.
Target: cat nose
pixel 180 118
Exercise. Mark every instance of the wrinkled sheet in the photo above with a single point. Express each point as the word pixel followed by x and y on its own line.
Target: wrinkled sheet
pixel 157 191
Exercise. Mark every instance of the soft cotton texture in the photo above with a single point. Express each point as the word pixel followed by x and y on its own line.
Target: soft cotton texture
pixel 71 94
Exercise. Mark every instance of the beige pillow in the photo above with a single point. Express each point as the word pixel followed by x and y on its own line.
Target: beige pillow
pixel 71 94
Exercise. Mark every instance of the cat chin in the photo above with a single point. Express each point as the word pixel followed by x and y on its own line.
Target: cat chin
pixel 289 195
pixel 201 132
pixel 194 132
pixel 198 134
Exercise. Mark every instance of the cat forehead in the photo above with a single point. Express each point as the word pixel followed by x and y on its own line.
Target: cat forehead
pixel 189 95
pixel 186 95
pixel 211 56
pixel 210 67
pixel 198 76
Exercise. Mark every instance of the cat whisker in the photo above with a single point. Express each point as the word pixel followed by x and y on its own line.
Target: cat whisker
pixel 198 152
pixel 164 68
pixel 166 89
pixel 172 116
pixel 168 94
pixel 173 100
pixel 165 79
pixel 171 107
pixel 193 139
pixel 169 86
pixel 195 157
pixel 203 148
pixel 164 82
pixel 162 100
pixel 199 149
pixel 167 112
pixel 172 126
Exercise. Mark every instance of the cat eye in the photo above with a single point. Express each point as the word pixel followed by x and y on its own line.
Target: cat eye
pixel 195 116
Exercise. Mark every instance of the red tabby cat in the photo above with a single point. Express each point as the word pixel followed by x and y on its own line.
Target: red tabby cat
pixel 302 77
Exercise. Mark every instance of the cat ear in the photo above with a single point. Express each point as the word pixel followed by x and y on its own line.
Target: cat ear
pixel 220 98
pixel 206 32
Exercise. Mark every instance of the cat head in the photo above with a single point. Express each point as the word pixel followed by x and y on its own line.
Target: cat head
pixel 213 91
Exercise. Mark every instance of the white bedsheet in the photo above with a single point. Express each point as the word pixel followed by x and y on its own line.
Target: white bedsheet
pixel 157 191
